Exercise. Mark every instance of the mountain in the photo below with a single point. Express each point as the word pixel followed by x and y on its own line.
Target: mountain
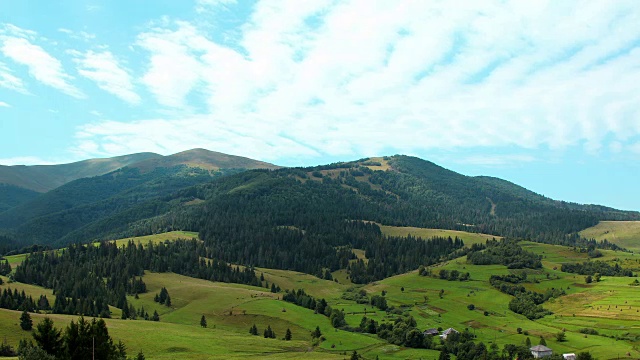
pixel 11 195
pixel 232 206
pixel 50 217
pixel 204 159
pixel 42 178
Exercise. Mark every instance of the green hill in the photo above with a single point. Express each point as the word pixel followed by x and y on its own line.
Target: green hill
pixel 11 195
pixel 58 216
pixel 622 233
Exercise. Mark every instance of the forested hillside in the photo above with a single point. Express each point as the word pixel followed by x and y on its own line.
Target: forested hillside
pixel 11 195
pixel 59 216
pixel 282 211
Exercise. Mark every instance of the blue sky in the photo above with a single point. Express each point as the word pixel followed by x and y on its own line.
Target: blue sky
pixel 541 93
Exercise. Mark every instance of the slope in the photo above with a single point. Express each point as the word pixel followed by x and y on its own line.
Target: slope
pixel 42 178
pixel 11 195
pixel 51 217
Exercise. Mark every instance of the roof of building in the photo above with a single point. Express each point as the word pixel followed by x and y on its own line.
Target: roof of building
pixel 430 331
pixel 449 331
pixel 540 348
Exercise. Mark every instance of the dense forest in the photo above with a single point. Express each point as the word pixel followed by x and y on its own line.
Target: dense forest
pixel 76 274
pixel 413 192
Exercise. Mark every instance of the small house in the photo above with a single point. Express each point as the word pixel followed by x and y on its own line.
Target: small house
pixel 540 351
pixel 430 332
pixel 448 332
pixel 570 356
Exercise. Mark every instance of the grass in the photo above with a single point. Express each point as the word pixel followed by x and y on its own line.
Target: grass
pixel 467 237
pixel 158 238
pixel 610 306
pixel 622 233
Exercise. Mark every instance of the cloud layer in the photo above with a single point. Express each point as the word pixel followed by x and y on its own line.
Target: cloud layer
pixel 351 78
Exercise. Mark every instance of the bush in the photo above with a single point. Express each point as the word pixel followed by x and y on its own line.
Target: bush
pixel 471 307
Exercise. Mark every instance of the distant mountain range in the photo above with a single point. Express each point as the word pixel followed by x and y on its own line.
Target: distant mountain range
pixel 238 201
pixel 42 178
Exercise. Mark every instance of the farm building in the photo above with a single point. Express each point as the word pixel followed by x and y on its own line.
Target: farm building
pixel 448 332
pixel 571 356
pixel 540 351
pixel 432 332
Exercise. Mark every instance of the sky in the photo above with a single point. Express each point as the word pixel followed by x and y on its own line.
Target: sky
pixel 544 94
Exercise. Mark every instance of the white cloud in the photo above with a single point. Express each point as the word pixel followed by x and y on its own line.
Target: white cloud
pixel 496 160
pixel 352 78
pixel 42 66
pixel 173 71
pixel 167 137
pixel 78 35
pixel 25 160
pixel 206 5
pixel 109 75
pixel 10 81
pixel 4 104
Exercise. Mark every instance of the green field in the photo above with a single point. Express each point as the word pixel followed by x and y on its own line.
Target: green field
pixel 468 237
pixel 612 307
pixel 622 233
pixel 15 260
pixel 158 238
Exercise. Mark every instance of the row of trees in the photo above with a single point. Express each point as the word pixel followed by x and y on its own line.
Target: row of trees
pixel 78 341
pixel 596 267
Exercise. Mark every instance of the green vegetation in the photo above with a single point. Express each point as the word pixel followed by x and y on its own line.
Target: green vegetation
pixel 622 233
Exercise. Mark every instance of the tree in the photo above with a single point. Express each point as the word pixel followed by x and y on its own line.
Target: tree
pixel 584 356
pixel 588 279
pixel 528 342
pixel 25 321
pixel 287 336
pixel 471 307
pixel 316 333
pixel 253 330
pixel 402 289
pixel 561 336
pixel 140 356
pixel 155 316
pixel 444 355
pixel 355 356
pixel 542 341
pixel 47 336
pixel 203 321
pixel 35 353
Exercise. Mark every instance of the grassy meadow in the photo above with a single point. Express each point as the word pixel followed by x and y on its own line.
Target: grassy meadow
pixel 467 237
pixel 611 306
pixel 622 233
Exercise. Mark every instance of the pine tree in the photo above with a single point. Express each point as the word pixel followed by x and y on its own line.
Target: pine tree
pixel 203 321
pixel 25 321
pixel 48 337
pixel 253 330
pixel 168 301
pixel 527 342
pixel 287 336
pixel 542 341
pixel 444 355
pixel 316 333
pixel 155 316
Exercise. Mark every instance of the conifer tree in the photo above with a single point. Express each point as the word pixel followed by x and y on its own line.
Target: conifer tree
pixel 48 337
pixel 25 321
pixel 203 321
